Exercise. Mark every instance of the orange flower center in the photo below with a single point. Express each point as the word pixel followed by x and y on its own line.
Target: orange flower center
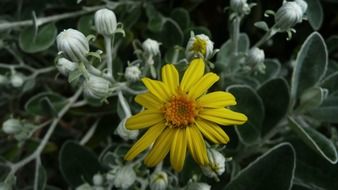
pixel 180 111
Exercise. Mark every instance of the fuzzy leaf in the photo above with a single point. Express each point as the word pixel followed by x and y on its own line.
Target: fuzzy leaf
pixel 315 13
pixel 250 104
pixel 315 140
pixel 311 65
pixel 273 170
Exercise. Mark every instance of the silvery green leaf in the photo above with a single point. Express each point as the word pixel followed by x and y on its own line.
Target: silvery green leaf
pixel 332 44
pixel 315 13
pixel 313 171
pixel 45 103
pixel 250 104
pixel 171 33
pixel 273 170
pixel 262 25
pixel 311 98
pixel 182 17
pixel 243 43
pixel 331 82
pixel 77 163
pixel 44 39
pixel 315 140
pixel 328 111
pixel 311 65
pixel 272 70
pixel 275 111
pixel 40 180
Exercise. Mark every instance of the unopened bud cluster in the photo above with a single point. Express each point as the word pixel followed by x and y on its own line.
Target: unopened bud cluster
pixel 289 14
pixel 241 7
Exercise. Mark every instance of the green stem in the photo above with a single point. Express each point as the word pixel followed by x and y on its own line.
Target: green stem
pixel 271 32
pixel 235 34
pixel 108 44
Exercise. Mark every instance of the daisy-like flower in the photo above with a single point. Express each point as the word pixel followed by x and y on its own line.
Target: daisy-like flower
pixel 199 45
pixel 178 115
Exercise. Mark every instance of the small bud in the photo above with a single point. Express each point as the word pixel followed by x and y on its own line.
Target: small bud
pixel 125 133
pixel 3 80
pixel 73 44
pixel 198 186
pixel 17 80
pixel 302 5
pixel 255 56
pixel 159 181
pixel 65 66
pixel 98 179
pixel 96 87
pixel 199 45
pixel 105 22
pixel 11 126
pixel 125 177
pixel 84 186
pixel 288 16
pixel 240 6
pixel 216 164
pixel 132 73
pixel 151 47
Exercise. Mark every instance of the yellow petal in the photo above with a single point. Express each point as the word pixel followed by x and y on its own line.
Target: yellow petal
pixel 161 148
pixel 145 141
pixel 196 145
pixel 219 99
pixel 203 85
pixel 178 149
pixel 144 119
pixel 148 100
pixel 212 131
pixel 170 77
pixel 157 88
pixel 194 72
pixel 223 116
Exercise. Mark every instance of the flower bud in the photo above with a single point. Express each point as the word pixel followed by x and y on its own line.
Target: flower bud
pixel 199 45
pixel 3 80
pixel 132 73
pixel 240 6
pixel 105 22
pixel 125 133
pixel 98 179
pixel 288 16
pixel 17 80
pixel 159 181
pixel 73 44
pixel 216 164
pixel 198 186
pixel 11 126
pixel 65 66
pixel 96 87
pixel 255 56
pixel 302 5
pixel 151 47
pixel 125 177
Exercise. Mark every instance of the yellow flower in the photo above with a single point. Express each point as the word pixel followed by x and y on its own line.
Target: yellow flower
pixel 178 114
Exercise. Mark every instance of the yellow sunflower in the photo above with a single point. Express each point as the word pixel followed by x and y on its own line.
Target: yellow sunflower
pixel 178 115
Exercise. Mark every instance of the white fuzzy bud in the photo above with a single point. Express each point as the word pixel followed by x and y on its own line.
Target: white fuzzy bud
pixel 105 22
pixel 288 16
pixel 151 47
pixel 255 56
pixel 73 44
pixel 125 177
pixel 98 179
pixel 132 73
pixel 199 45
pixel 96 87
pixel 302 5
pixel 240 6
pixel 12 126
pixel 216 164
pixel 17 80
pixel 198 186
pixel 125 133
pixel 159 181
pixel 65 66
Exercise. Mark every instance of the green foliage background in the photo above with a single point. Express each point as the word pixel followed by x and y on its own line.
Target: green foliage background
pixel 290 141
